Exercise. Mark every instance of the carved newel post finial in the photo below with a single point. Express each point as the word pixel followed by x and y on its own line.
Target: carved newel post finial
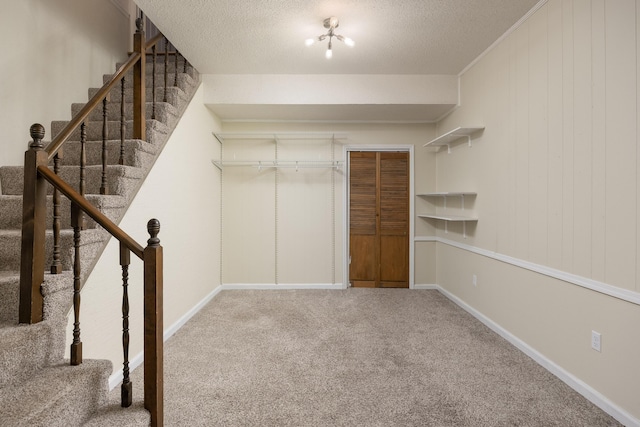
pixel 139 25
pixel 153 227
pixel 37 134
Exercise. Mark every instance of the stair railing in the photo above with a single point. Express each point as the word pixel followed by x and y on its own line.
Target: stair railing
pixel 37 174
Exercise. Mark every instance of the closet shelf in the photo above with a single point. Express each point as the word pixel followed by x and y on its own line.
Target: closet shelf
pixel 277 164
pixel 453 136
pixel 281 136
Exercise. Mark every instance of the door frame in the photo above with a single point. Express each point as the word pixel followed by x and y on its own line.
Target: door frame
pixel 345 210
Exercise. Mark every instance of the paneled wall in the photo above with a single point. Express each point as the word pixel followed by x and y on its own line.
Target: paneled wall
pixel 556 168
pixel 556 172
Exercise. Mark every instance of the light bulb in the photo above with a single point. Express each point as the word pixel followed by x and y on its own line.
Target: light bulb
pixel 309 42
pixel 329 53
pixel 349 42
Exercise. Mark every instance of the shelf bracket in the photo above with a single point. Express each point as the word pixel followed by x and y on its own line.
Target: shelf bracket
pixel 448 148
pixel 469 140
pixel 446 227
pixel 214 163
pixel 464 229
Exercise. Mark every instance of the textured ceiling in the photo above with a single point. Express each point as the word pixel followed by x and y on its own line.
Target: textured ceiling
pixel 392 36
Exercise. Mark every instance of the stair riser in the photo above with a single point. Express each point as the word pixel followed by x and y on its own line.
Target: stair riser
pixel 164 112
pixel 94 129
pixel 119 179
pixel 11 212
pixel 43 342
pixel 136 153
pixel 90 245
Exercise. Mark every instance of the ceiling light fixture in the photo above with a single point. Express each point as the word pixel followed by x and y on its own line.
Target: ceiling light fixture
pixel 331 24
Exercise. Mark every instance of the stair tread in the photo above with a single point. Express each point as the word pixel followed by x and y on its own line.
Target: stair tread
pixel 7 276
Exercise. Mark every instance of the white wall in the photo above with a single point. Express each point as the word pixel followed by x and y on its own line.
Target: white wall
pixel 556 171
pixel 305 225
pixel 182 191
pixel 53 51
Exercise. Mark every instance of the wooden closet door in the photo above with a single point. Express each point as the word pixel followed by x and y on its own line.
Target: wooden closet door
pixel 394 220
pixel 379 219
pixel 363 208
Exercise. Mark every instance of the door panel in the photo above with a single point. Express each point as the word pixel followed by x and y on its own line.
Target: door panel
pixel 394 251
pixel 379 219
pixel 363 258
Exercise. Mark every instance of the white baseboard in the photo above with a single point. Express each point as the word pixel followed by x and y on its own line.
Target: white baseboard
pixel 116 377
pixel 281 286
pixel 422 286
pixel 579 386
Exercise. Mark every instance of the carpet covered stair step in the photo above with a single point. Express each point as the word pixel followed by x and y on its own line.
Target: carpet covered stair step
pixel 185 80
pixel 56 288
pixel 165 112
pixel 11 210
pixel 43 342
pixel 57 396
pixel 171 66
pixel 137 153
pixel 121 180
pixel 94 129
pixel 175 95
pixel 90 246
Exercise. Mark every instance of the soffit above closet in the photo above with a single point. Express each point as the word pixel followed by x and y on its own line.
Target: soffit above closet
pixel 393 37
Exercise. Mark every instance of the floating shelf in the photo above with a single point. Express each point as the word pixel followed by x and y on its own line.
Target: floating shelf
pixel 451 218
pixel 447 217
pixel 453 136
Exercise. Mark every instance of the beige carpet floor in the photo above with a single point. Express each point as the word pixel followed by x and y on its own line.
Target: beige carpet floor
pixel 360 357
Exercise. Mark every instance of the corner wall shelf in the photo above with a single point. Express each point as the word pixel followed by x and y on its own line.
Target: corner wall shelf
pixel 450 217
pixel 453 136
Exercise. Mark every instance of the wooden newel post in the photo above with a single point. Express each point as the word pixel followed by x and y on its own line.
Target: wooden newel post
pixel 153 327
pixel 34 212
pixel 139 72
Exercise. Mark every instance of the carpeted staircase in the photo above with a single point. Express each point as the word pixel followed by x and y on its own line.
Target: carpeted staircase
pixel 37 385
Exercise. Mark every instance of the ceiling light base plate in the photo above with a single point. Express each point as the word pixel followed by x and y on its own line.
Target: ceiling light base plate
pixel 331 22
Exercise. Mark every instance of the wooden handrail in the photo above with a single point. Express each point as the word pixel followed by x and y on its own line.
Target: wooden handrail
pixel 153 41
pixel 57 142
pixel 90 210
